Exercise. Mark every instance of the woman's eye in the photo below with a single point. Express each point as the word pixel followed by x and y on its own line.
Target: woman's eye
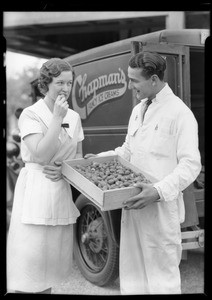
pixel 60 83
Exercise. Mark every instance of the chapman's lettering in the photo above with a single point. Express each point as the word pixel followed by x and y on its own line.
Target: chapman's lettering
pixel 86 96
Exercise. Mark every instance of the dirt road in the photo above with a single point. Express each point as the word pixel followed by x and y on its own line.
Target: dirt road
pixel 192 276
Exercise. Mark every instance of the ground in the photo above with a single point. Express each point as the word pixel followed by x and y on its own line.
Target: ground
pixel 192 277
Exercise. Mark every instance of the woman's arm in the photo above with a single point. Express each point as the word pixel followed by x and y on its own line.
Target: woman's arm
pixel 54 172
pixel 45 146
pixel 79 150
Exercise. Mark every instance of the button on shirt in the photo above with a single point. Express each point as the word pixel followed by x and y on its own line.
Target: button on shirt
pixel 164 144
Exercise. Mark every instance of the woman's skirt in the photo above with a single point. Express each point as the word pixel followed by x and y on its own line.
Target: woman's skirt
pixel 38 256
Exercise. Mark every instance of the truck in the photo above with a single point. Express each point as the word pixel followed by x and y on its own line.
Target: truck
pixel 101 96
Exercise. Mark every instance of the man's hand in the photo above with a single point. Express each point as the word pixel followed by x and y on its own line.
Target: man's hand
pixel 148 195
pixel 53 172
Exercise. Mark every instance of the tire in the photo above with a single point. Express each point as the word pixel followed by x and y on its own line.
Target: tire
pixel 95 252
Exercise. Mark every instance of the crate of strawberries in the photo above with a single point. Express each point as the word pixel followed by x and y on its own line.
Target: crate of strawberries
pixel 107 181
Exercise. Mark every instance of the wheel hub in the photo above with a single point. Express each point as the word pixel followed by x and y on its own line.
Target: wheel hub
pixel 94 235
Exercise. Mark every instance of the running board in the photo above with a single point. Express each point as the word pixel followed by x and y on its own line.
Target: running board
pixel 192 239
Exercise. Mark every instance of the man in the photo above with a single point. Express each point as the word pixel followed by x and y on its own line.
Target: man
pixel 162 140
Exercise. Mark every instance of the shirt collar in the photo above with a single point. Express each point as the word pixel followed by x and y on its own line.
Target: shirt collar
pixel 162 94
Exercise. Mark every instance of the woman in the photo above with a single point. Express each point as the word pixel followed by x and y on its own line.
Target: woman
pixel 40 238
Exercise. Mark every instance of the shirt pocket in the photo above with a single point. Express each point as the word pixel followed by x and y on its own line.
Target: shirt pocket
pixel 163 139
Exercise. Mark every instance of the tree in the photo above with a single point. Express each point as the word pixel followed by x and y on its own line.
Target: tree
pixel 19 92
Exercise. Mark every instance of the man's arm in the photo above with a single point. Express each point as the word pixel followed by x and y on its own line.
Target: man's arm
pixel 188 155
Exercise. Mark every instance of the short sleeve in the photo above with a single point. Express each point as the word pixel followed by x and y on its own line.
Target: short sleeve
pixel 28 123
pixel 80 130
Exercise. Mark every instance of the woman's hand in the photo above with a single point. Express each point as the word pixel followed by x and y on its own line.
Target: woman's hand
pixel 89 155
pixel 148 195
pixel 53 172
pixel 60 107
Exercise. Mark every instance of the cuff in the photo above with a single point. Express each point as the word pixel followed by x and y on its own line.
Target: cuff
pixel 159 192
pixel 106 153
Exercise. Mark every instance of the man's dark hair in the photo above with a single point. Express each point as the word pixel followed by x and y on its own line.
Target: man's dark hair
pixel 52 68
pixel 151 63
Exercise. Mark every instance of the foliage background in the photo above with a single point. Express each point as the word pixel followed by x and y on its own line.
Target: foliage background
pixel 18 94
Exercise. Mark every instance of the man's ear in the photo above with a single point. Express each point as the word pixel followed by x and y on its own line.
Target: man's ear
pixel 154 79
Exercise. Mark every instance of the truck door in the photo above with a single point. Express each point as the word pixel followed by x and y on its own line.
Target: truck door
pixel 177 75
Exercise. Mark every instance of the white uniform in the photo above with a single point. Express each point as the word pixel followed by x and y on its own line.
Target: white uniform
pixel 40 238
pixel 164 145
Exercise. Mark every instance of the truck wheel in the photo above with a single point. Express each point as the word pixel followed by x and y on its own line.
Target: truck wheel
pixel 95 252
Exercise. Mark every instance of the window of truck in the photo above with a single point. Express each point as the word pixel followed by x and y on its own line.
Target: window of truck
pixel 177 72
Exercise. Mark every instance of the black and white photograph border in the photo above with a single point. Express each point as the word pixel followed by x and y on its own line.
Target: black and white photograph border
pixel 88 30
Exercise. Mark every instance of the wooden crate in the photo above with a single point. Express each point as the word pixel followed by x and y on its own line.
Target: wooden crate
pixel 106 200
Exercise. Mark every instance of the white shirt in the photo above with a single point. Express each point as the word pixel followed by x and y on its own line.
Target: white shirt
pixel 164 144
pixel 36 119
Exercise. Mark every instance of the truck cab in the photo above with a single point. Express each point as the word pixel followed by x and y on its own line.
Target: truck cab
pixel 101 96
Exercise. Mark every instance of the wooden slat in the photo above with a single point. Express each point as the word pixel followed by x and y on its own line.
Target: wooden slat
pixel 190 245
pixel 191 234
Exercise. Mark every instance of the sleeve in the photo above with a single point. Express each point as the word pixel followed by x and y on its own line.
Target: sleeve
pixel 188 157
pixel 80 130
pixel 28 123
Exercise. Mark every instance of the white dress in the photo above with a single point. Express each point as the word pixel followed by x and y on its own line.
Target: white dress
pixel 40 237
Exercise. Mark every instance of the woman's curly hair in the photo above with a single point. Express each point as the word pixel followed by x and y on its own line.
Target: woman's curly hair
pixel 151 63
pixel 52 68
